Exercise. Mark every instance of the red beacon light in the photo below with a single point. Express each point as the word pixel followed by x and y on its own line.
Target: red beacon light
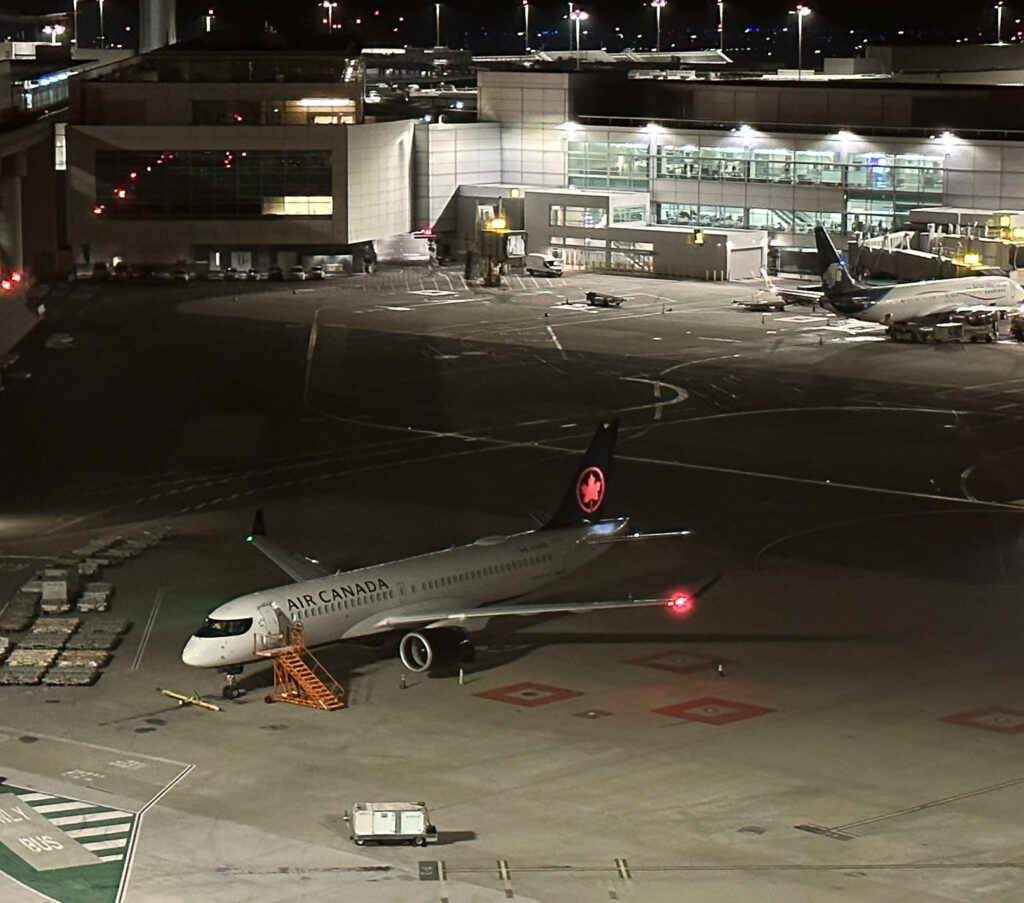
pixel 6 285
pixel 680 603
pixel 15 277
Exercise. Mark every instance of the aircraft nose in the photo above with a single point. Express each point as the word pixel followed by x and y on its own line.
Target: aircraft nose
pixel 191 654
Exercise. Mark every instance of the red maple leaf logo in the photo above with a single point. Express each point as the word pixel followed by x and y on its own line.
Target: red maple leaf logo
pixel 590 489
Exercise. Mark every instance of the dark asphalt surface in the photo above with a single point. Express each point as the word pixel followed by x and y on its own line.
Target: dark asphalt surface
pixel 155 411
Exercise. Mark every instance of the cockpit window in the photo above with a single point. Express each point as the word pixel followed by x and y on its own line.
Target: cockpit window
pixel 233 627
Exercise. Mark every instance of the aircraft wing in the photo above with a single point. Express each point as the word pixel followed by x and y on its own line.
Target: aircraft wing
pixel 790 294
pixel 296 566
pixel 600 540
pixel 679 602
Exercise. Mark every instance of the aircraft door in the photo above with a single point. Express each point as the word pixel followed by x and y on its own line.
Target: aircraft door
pixel 271 627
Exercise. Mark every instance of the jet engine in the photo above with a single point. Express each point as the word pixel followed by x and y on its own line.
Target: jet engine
pixel 442 647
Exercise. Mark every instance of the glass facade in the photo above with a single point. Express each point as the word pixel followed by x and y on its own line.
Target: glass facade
pixel 578 217
pixel 632 214
pixel 213 184
pixel 594 164
pixel 879 187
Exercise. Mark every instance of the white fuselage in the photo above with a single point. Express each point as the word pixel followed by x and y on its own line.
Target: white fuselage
pixel 359 602
pixel 921 300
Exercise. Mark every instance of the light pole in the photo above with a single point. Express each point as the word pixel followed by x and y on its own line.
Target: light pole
pixel 526 26
pixel 578 15
pixel 74 39
pixel 721 25
pixel 800 12
pixel 569 20
pixel 329 6
pixel 657 4
pixel 999 22
pixel 437 12
pixel 102 34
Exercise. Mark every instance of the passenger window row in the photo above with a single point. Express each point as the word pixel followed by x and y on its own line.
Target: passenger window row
pixel 490 571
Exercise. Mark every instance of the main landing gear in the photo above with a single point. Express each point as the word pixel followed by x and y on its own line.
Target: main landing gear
pixel 231 689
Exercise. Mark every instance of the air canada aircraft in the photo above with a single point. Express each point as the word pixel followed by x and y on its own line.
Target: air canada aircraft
pixel 431 598
pixel 908 302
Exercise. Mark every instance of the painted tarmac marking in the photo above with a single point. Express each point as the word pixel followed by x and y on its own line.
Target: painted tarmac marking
pixel 506 879
pixel 148 630
pixel 558 344
pixel 703 360
pixel 991 718
pixel 842 832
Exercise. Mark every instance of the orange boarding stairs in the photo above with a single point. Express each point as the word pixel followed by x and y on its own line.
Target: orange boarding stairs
pixel 299 678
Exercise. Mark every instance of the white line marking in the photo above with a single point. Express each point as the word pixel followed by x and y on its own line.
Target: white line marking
pixel 708 338
pixel 69 806
pixel 148 631
pixel 558 344
pixel 87 819
pixel 98 831
pixel 106 845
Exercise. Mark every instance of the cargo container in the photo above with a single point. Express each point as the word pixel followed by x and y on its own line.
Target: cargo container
pixel 391 823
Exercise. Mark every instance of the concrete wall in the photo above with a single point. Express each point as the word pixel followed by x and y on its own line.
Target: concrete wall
pixel 532 108
pixel 379 180
pixel 448 156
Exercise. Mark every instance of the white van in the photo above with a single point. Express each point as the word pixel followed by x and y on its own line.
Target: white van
pixel 543 265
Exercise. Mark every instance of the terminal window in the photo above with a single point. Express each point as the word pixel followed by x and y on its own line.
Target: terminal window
pixel 578 217
pixel 213 184
pixel 599 164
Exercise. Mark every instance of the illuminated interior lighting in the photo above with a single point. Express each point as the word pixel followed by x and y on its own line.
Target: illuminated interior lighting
pixel 326 102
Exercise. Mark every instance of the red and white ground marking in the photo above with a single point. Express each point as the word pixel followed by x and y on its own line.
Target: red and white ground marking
pixel 529 694
pixel 712 710
pixel 678 661
pixel 991 718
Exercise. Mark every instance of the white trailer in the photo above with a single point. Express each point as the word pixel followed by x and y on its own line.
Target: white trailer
pixel 391 822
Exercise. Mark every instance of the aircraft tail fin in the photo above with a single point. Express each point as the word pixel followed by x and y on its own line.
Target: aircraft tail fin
pixel 585 495
pixel 835 278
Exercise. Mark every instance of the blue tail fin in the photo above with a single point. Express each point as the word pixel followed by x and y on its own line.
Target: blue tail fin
pixel 586 493
pixel 835 278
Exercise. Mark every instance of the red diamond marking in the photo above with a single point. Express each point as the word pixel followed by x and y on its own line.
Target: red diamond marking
pixel 678 662
pixel 529 694
pixel 991 718
pixel 712 710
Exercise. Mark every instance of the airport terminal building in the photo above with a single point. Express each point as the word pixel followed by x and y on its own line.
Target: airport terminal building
pixel 269 158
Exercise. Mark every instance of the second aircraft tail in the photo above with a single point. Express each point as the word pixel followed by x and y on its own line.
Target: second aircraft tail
pixel 835 278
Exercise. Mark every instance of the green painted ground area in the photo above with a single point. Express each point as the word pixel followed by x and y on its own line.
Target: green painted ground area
pixel 69 850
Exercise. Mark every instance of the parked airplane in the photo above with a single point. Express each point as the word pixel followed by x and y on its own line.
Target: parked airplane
pixel 918 302
pixel 431 597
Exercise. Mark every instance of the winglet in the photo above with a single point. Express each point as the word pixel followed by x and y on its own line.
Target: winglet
pixel 258 528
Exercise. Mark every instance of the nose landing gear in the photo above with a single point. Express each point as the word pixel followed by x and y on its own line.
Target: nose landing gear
pixel 231 689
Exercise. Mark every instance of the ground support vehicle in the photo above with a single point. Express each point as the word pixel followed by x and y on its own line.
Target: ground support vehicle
pixel 391 823
pixel 599 299
pixel 973 327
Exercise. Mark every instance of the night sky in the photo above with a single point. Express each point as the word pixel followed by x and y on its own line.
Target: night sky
pixel 491 26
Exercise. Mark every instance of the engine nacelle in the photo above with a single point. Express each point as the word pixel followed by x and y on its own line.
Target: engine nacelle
pixel 442 647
